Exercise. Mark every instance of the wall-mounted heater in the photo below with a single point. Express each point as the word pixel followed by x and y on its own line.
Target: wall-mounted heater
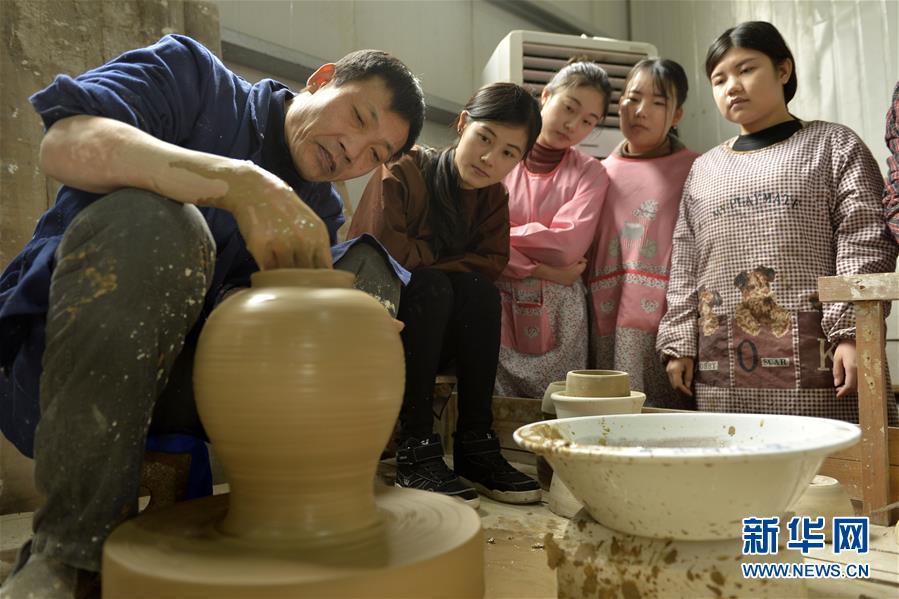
pixel 531 58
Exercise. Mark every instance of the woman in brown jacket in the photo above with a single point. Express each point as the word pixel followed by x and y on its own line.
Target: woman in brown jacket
pixel 444 216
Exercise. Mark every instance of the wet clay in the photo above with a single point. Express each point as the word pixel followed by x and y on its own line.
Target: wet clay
pixel 298 382
pixel 430 544
pixel 595 560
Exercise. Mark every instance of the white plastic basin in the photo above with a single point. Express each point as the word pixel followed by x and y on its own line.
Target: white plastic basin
pixel 686 476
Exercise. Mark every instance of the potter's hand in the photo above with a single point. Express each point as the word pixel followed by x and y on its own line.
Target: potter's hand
pixel 280 230
pixel 680 374
pixel 845 368
pixel 566 275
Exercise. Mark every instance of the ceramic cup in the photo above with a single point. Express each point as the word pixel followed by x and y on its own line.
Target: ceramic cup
pixel 560 501
pixel 544 470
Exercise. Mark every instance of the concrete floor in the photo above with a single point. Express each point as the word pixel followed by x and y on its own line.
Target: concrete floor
pixel 515 560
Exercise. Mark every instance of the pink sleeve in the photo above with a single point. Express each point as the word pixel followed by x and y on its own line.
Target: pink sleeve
pixel 519 266
pixel 571 232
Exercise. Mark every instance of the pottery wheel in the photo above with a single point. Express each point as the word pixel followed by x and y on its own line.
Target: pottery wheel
pixel 430 544
pixel 593 560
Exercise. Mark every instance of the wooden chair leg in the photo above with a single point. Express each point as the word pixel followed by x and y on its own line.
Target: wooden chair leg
pixel 867 292
pixel 872 409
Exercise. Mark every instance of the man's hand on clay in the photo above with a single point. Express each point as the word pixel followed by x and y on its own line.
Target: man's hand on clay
pixel 280 230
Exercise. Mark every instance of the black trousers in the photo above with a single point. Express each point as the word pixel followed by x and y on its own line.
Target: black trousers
pixel 131 274
pixel 450 318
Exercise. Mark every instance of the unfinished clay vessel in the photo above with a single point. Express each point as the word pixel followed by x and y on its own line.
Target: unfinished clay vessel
pixel 326 359
pixel 298 382
pixel 561 501
pixel 544 470
pixel 598 383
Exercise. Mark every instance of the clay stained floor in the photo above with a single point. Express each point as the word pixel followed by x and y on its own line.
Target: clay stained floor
pixel 515 560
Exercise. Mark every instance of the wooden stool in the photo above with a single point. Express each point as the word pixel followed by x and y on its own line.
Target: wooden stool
pixel 164 477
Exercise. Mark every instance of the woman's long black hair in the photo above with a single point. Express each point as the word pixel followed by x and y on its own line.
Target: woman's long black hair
pixel 505 103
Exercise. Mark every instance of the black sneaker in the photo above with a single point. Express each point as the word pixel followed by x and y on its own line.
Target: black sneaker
pixel 420 465
pixel 478 462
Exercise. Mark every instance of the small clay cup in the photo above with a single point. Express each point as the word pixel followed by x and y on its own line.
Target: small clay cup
pixel 598 383
pixel 561 501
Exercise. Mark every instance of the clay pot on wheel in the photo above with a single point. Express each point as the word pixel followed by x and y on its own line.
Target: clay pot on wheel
pixel 325 360
pixel 298 382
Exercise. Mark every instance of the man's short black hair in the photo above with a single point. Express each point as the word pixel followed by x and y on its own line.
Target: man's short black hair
pixel 408 99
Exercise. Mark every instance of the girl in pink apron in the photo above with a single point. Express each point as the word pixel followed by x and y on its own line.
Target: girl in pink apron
pixel 555 197
pixel 631 257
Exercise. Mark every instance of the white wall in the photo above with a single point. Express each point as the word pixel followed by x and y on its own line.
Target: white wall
pixel 445 42
pixel 607 17
pixel 847 58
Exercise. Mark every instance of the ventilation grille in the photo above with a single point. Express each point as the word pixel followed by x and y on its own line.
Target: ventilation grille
pixel 541 61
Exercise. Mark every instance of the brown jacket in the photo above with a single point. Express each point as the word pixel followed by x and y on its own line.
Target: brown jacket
pixel 393 209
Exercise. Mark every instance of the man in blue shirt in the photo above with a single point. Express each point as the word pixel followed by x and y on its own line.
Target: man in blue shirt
pixel 180 179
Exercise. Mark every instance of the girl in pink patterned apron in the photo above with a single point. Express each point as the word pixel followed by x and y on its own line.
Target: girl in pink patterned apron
pixel 763 215
pixel 555 195
pixel 631 257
